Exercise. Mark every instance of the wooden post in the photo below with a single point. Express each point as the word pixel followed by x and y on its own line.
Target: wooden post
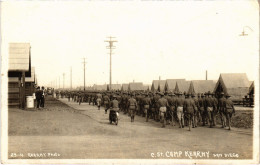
pixel 23 90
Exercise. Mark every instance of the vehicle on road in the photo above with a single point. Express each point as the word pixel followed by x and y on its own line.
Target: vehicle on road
pixel 50 91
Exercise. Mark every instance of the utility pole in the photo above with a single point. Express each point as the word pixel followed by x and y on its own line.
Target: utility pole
pixel 70 77
pixel 63 79
pixel 84 62
pixel 206 74
pixel 110 47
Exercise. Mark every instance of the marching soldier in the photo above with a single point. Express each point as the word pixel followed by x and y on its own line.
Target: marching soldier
pixel 229 110
pixel 215 109
pixel 172 111
pixel 203 110
pixel 106 102
pixel 189 108
pixel 156 99
pixel 132 107
pixel 179 108
pixel 146 104
pixel 210 106
pixel 221 108
pixel 99 97
pixel 163 103
pixel 196 113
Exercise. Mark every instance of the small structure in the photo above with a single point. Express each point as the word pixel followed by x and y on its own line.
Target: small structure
pixel 19 67
pixel 136 86
pixel 235 84
pixel 201 86
pixel 171 84
pixel 158 85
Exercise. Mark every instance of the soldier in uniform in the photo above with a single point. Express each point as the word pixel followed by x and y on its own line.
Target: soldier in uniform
pixel 179 108
pixel 69 96
pixel 221 108
pixel 172 111
pixel 168 112
pixel 209 107
pixel 215 109
pixel 229 110
pixel 99 97
pixel 163 103
pixel 38 95
pixel 146 104
pixel 106 102
pixel 156 99
pixel 196 112
pixel 189 108
pixel 203 109
pixel 57 94
pixel 132 107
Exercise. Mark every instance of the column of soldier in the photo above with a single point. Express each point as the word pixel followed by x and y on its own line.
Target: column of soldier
pixel 183 109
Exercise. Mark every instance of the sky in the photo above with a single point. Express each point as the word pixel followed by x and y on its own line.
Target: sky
pixel 170 39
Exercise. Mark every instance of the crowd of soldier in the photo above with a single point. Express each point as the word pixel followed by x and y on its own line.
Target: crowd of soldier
pixel 178 108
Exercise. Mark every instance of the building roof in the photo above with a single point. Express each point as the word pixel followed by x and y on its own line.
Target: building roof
pixel 19 56
pixel 136 86
pixel 171 84
pixel 201 86
pixel 155 85
pixel 27 79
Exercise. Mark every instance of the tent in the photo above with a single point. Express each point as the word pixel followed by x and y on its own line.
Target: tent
pixel 156 83
pixel 235 84
pixel 136 86
pixel 171 84
pixel 201 86
pixel 124 87
pixel 115 86
pixel 252 89
pixel 182 86
pixel 100 87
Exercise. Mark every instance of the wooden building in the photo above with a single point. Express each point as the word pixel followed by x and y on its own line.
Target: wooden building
pixel 19 67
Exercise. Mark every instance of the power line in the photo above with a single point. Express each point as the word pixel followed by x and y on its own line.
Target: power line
pixel 110 47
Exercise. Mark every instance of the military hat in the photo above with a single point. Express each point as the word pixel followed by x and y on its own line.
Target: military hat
pixel 179 93
pixel 202 95
pixel 38 87
pixel 161 93
pixel 227 95
pixel 114 96
pixel 193 95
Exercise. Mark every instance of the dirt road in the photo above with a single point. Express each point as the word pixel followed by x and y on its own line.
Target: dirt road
pixel 83 132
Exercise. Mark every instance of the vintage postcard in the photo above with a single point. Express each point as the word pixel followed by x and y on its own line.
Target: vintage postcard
pixel 130 82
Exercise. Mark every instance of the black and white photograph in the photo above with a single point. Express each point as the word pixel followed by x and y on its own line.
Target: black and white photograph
pixel 129 82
